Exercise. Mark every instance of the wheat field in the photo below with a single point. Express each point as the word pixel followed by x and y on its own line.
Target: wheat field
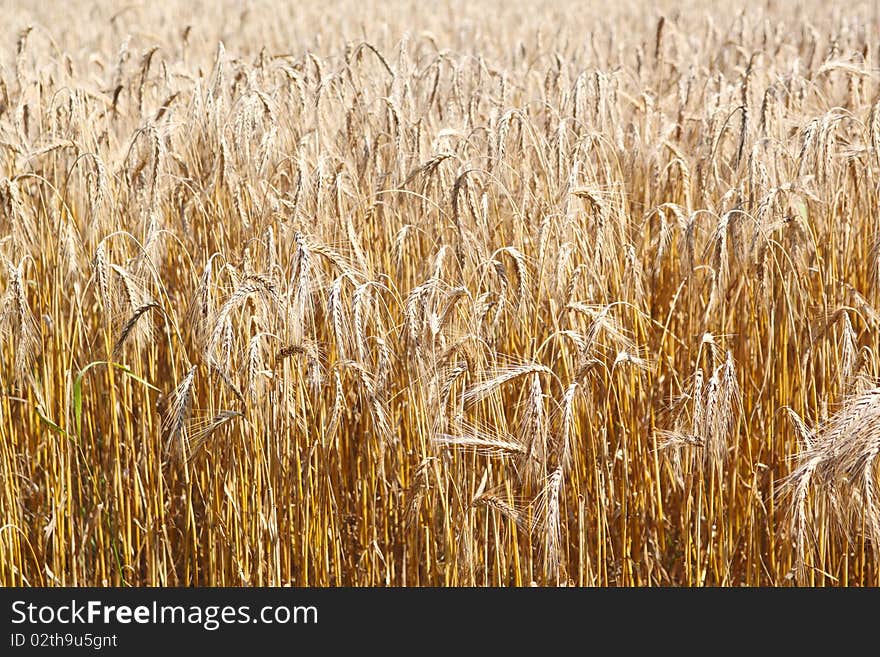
pixel 389 294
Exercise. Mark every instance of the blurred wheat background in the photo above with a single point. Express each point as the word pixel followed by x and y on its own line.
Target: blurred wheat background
pixel 384 293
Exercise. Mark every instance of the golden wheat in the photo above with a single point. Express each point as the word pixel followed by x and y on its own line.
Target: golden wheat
pixel 480 295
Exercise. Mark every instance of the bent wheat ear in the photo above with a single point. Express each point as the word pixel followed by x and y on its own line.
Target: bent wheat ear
pixel 338 401
pixel 17 320
pixel 804 434
pixel 838 463
pixel 198 436
pixel 550 523
pixel 130 325
pixel 228 382
pixel 174 423
pixel 490 384
pixel 102 272
pixel 487 445
pixel 249 285
pixel 566 433
pixel 201 305
pixel 507 510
